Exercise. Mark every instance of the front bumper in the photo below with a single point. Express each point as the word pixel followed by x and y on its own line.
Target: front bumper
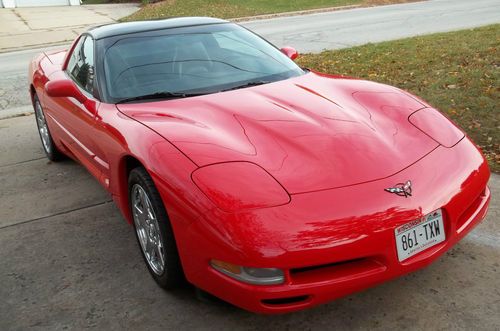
pixel 335 242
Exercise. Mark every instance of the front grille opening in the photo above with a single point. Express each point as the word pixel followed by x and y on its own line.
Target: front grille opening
pixel 285 301
pixel 338 271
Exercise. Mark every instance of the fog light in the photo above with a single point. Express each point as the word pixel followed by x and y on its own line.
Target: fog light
pixel 257 276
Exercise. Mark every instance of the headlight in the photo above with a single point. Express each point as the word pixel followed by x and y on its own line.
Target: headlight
pixel 256 276
pixel 437 126
pixel 236 186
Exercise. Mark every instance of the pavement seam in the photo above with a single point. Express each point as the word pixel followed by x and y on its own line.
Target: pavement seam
pixel 99 13
pixel 21 18
pixel 8 113
pixel 56 214
pixel 21 162
pixel 30 47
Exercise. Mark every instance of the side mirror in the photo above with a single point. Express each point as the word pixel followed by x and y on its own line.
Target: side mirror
pixel 64 88
pixel 290 52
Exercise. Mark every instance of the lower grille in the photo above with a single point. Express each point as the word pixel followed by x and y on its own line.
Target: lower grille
pixel 285 301
pixel 469 212
pixel 338 271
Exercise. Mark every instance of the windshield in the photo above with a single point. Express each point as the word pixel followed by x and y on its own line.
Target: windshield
pixel 208 60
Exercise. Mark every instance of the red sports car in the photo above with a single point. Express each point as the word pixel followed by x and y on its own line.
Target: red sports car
pixel 270 186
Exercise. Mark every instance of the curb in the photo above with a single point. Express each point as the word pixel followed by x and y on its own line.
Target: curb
pixel 293 13
pixel 314 11
pixel 38 46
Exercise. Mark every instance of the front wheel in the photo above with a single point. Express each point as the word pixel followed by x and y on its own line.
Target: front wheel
pixel 49 147
pixel 153 230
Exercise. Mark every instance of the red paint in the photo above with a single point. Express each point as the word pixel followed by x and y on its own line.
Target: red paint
pixel 437 126
pixel 64 88
pixel 223 182
pixel 334 126
pixel 285 175
pixel 290 52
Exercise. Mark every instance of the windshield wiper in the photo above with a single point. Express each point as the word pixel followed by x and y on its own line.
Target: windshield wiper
pixel 249 84
pixel 160 95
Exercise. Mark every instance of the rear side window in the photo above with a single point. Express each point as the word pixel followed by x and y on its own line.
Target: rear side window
pixel 81 64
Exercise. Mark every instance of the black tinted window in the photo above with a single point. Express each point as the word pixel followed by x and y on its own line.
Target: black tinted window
pixel 81 64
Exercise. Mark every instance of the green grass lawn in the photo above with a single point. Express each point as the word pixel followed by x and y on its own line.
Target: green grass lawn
pixel 457 72
pixel 237 8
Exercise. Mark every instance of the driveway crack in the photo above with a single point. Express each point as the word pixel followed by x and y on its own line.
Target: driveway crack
pixel 21 162
pixel 56 214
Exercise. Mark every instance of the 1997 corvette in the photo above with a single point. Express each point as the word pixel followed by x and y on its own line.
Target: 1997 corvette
pixel 272 187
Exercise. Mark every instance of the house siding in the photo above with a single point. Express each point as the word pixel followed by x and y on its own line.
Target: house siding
pixel 37 3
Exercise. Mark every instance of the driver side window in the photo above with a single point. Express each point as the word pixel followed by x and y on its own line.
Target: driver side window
pixel 81 64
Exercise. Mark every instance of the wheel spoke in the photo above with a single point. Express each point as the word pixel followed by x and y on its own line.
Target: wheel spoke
pixel 42 127
pixel 139 212
pixel 148 229
pixel 161 254
pixel 143 238
pixel 39 119
pixel 150 248
pixel 144 201
pixel 150 213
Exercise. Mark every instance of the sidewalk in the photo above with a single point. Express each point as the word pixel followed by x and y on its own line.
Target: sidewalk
pixel 22 28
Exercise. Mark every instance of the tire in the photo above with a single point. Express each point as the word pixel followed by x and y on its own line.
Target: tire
pixel 50 149
pixel 154 231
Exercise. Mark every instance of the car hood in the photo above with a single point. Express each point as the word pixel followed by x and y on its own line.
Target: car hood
pixel 311 132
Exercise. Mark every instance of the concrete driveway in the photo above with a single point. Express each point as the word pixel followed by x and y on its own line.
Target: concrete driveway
pixel 38 26
pixel 69 261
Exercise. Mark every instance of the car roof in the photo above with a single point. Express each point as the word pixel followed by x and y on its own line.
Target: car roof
pixel 116 29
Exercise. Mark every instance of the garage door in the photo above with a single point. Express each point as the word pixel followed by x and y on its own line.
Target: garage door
pixel 33 3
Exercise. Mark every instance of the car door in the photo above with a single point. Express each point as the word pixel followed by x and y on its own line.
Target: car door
pixel 75 118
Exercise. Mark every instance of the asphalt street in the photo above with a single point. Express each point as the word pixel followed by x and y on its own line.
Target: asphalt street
pixel 347 28
pixel 307 33
pixel 68 260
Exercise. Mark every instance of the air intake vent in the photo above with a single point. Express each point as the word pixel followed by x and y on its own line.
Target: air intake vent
pixel 338 271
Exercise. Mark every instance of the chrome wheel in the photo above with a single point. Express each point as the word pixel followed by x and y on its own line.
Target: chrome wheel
pixel 42 127
pixel 148 229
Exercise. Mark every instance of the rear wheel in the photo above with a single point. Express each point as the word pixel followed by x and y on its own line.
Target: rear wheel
pixel 48 145
pixel 153 230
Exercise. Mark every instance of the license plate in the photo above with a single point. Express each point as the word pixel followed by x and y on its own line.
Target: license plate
pixel 416 236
